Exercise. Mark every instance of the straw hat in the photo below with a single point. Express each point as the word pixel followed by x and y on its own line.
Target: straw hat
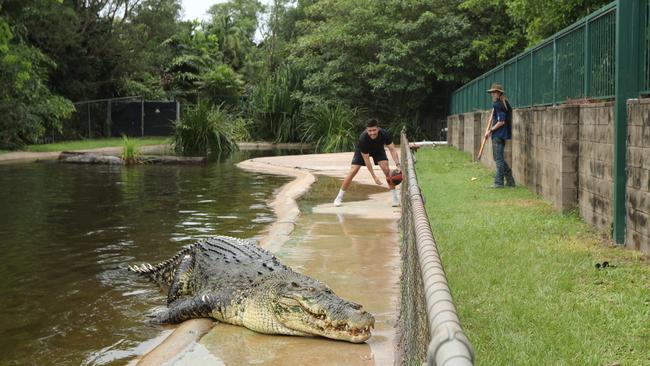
pixel 496 87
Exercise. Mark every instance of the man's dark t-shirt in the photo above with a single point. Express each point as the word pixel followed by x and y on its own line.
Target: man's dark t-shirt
pixel 367 145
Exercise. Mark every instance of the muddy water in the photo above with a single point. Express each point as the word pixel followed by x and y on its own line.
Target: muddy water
pixel 68 232
pixel 357 257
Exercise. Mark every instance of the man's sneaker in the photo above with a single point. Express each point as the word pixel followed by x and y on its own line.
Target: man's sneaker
pixel 494 186
pixel 395 202
pixel 337 202
pixel 511 184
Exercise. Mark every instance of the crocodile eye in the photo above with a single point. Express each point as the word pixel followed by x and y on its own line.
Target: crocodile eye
pixel 294 285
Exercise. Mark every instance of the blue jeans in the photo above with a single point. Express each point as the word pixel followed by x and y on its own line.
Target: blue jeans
pixel 503 170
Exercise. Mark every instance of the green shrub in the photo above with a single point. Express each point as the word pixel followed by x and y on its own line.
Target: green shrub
pixel 331 127
pixel 275 110
pixel 413 130
pixel 204 129
pixel 130 151
pixel 240 128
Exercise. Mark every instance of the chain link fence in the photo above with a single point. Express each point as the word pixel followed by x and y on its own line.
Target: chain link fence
pixel 429 329
pixel 114 117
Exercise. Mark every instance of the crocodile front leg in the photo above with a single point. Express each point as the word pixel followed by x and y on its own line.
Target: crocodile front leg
pixel 200 306
pixel 181 284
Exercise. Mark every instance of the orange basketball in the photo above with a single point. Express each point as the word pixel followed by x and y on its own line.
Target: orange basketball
pixel 396 177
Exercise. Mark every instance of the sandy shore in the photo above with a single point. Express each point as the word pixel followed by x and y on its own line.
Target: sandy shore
pixel 346 219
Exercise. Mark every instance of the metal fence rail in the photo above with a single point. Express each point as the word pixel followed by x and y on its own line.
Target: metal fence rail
pixel 577 62
pixel 430 330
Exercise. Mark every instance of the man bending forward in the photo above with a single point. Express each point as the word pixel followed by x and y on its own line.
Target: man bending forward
pixel 371 144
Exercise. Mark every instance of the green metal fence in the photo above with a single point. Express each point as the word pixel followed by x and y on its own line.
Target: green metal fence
pixel 646 50
pixel 577 62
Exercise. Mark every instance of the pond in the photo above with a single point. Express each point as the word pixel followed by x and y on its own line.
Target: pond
pixel 68 233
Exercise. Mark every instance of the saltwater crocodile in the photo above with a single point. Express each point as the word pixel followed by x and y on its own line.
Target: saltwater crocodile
pixel 237 282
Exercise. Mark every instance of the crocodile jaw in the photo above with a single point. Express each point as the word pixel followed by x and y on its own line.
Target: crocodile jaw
pixel 342 321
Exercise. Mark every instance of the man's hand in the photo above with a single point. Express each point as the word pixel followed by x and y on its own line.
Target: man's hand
pixel 487 134
pixel 377 180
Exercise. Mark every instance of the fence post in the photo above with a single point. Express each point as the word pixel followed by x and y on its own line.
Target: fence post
pixel 89 136
pixel 532 78
pixel 628 29
pixel 109 118
pixel 554 69
pixel 142 116
pixel 587 71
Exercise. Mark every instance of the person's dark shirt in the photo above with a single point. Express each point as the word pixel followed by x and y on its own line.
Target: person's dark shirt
pixel 502 113
pixel 366 145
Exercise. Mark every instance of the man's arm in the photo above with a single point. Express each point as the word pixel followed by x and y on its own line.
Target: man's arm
pixel 500 115
pixel 366 159
pixel 394 154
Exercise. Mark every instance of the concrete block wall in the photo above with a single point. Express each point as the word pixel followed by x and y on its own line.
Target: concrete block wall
pixel 545 152
pixel 637 223
pixel 458 132
pixel 595 155
pixel 472 133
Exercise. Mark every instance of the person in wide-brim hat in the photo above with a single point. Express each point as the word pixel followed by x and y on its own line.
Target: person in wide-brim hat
pixel 496 87
pixel 500 131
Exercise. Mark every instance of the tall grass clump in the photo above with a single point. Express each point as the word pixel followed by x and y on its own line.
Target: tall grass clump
pixel 274 107
pixel 130 150
pixel 204 129
pixel 412 127
pixel 331 127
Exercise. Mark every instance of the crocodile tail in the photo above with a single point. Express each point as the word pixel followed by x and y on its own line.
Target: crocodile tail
pixel 163 272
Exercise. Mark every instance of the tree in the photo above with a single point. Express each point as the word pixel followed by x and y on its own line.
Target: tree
pixel 234 24
pixel 385 57
pixel 542 18
pixel 26 104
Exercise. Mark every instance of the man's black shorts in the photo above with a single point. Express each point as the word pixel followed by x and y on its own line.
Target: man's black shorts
pixel 377 156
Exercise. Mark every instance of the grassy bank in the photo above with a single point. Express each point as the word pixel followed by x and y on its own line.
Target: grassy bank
pixel 96 143
pixel 523 275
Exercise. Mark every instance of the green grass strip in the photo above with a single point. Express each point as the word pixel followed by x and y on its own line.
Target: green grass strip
pixel 523 275
pixel 96 143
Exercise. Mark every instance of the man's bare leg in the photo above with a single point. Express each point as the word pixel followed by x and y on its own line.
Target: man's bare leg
pixel 354 169
pixel 383 164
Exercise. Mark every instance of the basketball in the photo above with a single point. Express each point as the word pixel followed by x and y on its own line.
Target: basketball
pixel 396 177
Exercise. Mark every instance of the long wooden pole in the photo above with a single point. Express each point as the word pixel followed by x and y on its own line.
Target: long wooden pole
pixel 487 128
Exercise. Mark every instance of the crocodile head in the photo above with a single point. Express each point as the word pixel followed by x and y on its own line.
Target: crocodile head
pixel 308 307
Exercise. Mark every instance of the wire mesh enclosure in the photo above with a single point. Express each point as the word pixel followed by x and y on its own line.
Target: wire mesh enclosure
pixel 429 329
pixel 114 117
